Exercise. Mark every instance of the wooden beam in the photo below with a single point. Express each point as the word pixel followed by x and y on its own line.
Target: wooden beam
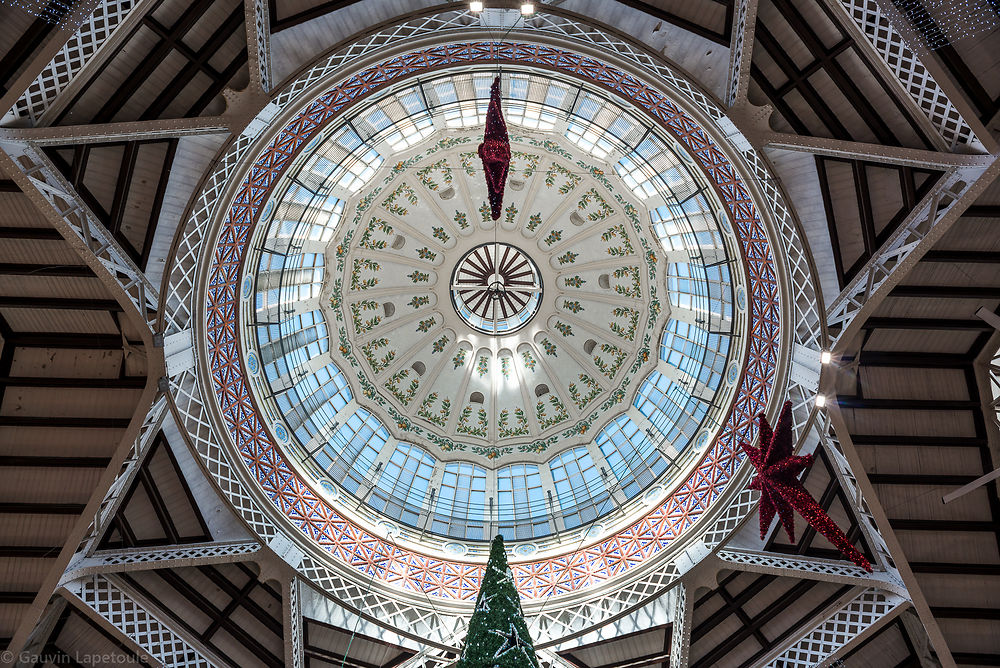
pixel 58 422
pixel 54 462
pixel 41 508
pixel 925 323
pixel 128 382
pixel 46 233
pixel 64 270
pixel 59 303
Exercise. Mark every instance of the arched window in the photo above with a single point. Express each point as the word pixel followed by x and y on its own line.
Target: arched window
pixel 404 485
pixel 460 509
pixel 633 458
pixel 522 510
pixel 580 491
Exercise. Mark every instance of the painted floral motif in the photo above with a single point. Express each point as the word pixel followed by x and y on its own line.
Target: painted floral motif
pixel 392 203
pixel 367 239
pixel 426 253
pixel 439 417
pixel 601 207
pixel 419 277
pixel 418 301
pixel 618 232
pixel 563 328
pixel 461 220
pixel 557 171
pixel 361 323
pixel 439 345
pixel 427 178
pixel 530 161
pixel 393 385
pixel 529 360
pixel 459 358
pixel 378 364
pixel 569 257
pixel 559 413
pixel 491 451
pixel 510 214
pixel 573 306
pixel 441 235
pixel 635 291
pixel 482 366
pixel 574 282
pixel 469 162
pixel 631 316
pixel 553 236
pixel 484 212
pixel 536 448
pixel 505 367
pixel 550 348
pixel 580 399
pixel 360 265
pixel 617 356
pixel 534 220
pixel 448 142
pixel 464 426
pixel 424 325
pixel 506 430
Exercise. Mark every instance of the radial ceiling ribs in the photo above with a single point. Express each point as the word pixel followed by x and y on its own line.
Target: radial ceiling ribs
pixel 73 373
pixel 912 401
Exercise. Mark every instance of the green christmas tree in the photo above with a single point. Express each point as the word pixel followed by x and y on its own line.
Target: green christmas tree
pixel 497 634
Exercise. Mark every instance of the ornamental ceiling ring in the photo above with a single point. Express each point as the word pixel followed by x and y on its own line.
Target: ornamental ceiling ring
pixel 351 547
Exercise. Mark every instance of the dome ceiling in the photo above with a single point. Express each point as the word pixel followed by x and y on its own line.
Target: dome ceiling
pixel 301 336
pixel 586 334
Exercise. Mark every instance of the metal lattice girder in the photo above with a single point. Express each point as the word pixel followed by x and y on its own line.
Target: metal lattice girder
pixel 741 51
pixel 258 25
pixel 871 26
pixel 844 460
pixel 113 132
pixel 149 558
pixel 862 615
pixel 884 559
pixel 889 155
pixel 291 609
pixel 812 568
pixel 110 601
pixel 930 219
pixel 680 633
pixel 55 198
pixel 130 467
pixel 78 54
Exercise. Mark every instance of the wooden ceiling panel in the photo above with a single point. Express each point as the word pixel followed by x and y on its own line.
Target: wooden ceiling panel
pixel 921 341
pixel 151 74
pixel 60 321
pixel 326 645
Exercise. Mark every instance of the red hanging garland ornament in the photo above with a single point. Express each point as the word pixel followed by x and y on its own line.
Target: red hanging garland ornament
pixel 495 151
pixel 781 492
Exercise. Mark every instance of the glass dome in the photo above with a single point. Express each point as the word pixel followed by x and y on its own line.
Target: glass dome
pixel 465 414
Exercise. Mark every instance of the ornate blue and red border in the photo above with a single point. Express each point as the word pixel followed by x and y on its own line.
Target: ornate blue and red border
pixel 358 547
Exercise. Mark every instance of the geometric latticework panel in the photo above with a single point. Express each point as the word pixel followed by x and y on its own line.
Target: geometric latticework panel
pixel 838 630
pixel 129 617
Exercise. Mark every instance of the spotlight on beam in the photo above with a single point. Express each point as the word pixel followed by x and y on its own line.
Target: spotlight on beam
pixel 820 400
pixel 825 357
pixel 527 9
pixel 475 6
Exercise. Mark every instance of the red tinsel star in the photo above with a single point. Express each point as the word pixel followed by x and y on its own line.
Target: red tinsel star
pixel 495 151
pixel 781 492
